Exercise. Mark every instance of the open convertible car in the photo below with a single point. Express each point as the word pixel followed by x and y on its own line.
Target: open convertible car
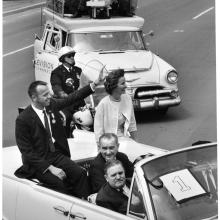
pixel 177 185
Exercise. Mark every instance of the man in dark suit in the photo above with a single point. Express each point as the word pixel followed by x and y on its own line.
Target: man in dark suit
pixel 42 141
pixel 114 194
pixel 65 80
pixel 108 150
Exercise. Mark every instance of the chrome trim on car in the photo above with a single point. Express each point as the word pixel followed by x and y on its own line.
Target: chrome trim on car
pixel 153 92
pixel 155 103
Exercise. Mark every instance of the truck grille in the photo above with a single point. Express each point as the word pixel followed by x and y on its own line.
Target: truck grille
pixel 151 92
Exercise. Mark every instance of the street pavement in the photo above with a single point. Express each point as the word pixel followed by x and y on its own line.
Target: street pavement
pixel 19 5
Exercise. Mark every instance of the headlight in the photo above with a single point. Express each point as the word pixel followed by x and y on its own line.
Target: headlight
pixel 172 77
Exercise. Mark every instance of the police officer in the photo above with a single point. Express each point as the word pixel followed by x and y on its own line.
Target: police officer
pixel 65 80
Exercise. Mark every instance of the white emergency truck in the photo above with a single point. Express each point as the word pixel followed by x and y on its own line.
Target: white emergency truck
pixel 101 36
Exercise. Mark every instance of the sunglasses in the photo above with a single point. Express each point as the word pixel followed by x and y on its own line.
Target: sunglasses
pixel 70 55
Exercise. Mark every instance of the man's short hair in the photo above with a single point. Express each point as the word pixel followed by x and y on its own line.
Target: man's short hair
pixel 32 87
pixel 108 136
pixel 110 164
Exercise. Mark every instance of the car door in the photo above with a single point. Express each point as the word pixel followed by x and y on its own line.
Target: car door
pixel 9 195
pixel 82 210
pixel 35 202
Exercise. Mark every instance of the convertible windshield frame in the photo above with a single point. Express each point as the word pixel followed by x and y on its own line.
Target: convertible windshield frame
pixel 195 168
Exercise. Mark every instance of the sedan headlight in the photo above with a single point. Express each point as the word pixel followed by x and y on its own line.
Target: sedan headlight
pixel 172 77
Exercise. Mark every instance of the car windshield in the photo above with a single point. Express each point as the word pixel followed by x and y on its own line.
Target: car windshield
pixel 184 185
pixel 106 41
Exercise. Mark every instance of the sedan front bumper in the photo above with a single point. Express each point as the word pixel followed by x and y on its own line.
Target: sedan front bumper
pixel 155 103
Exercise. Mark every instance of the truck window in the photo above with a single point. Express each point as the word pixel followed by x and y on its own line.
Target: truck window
pixel 53 39
pixel 136 206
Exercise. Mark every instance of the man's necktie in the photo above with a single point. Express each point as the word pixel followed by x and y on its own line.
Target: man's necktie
pixel 52 147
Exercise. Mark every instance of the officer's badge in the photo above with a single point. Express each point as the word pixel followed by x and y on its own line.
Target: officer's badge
pixel 70 82
pixel 78 76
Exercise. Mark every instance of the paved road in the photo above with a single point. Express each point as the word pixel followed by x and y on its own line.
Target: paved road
pixel 184 37
pixel 15 5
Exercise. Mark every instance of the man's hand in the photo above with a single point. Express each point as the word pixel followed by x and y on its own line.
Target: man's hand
pixel 101 76
pixel 57 172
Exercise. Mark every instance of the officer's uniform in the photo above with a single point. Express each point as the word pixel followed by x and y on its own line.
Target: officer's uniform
pixel 65 81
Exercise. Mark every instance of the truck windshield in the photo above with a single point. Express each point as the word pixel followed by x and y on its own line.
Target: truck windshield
pixel 184 185
pixel 106 41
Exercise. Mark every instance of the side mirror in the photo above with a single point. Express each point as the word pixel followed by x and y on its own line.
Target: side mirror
pixel 147 35
pixel 150 33
pixel 36 37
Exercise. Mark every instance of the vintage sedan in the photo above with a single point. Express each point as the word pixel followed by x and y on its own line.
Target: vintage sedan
pixel 117 42
pixel 169 185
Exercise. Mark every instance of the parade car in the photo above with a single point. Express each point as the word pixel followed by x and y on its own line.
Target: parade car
pixel 116 42
pixel 175 185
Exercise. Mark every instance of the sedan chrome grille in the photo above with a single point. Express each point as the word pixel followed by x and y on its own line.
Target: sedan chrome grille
pixel 152 92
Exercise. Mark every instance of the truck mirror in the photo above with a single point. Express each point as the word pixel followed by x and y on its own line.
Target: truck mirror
pixel 149 34
pixel 36 37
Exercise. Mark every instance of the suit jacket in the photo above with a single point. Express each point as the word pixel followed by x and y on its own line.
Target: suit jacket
pixel 31 135
pixel 110 198
pixel 96 171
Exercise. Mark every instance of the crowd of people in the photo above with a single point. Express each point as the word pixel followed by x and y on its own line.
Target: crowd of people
pixel 42 137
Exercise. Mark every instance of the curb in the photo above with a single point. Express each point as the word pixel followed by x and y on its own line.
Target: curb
pixel 19 10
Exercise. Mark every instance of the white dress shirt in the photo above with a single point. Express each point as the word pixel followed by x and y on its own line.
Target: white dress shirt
pixel 40 114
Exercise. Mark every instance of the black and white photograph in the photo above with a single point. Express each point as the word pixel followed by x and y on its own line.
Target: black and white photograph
pixel 109 110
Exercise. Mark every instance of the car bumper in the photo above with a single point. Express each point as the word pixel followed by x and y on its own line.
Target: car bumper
pixel 155 103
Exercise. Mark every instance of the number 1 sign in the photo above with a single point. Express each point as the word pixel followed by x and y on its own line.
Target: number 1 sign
pixel 182 185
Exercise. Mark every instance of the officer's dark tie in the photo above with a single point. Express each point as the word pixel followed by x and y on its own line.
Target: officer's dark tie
pixel 52 148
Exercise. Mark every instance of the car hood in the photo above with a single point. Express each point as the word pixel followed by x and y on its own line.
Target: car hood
pixel 127 60
pixel 141 66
